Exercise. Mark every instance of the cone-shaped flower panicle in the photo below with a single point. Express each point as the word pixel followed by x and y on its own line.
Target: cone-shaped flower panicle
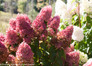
pixel 46 12
pixel 54 24
pixel 12 23
pixel 63 38
pixel 23 17
pixel 72 58
pixel 3 52
pixel 2 37
pixel 22 22
pixel 24 54
pixel 11 59
pixel 12 39
pixel 42 19
pixel 66 33
pixel 24 27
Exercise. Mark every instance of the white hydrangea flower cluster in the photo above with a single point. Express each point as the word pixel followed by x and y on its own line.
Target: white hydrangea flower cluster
pixel 77 33
pixel 83 58
pixel 72 6
pixel 60 7
pixel 85 6
pixel 65 11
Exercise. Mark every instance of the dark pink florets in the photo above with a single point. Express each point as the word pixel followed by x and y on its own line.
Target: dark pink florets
pixel 63 38
pixel 51 32
pixel 3 52
pixel 12 37
pixel 24 52
pixel 24 27
pixel 38 26
pixel 66 33
pixel 22 23
pixel 12 23
pixel 43 36
pixel 24 17
pixel 40 23
pixel 2 37
pixel 11 59
pixel 53 26
pixel 46 12
pixel 72 58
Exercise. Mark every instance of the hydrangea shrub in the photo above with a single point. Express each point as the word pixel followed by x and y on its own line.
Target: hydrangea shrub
pixel 39 43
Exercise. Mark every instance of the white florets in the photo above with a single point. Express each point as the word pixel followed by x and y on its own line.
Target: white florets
pixel 61 10
pixel 65 11
pixel 83 57
pixel 85 6
pixel 77 34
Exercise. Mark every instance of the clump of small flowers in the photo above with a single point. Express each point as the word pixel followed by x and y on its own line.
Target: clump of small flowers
pixel 3 53
pixel 63 38
pixel 12 39
pixel 53 26
pixel 83 58
pixel 11 59
pixel 24 54
pixel 72 58
pixel 77 34
pixel 23 27
pixel 42 19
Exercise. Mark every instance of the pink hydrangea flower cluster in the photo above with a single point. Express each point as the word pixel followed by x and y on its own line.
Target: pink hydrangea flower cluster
pixel 3 52
pixel 53 26
pixel 20 30
pixel 24 53
pixel 46 13
pixel 66 33
pixel 72 58
pixel 23 26
pixel 40 23
pixel 12 39
pixel 11 59
pixel 63 38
